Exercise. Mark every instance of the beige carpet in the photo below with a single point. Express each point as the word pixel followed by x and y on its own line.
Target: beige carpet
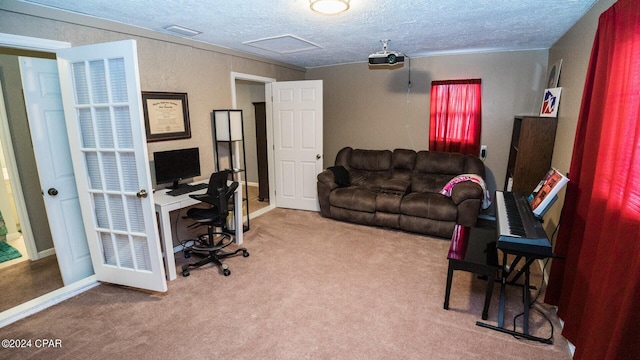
pixel 27 280
pixel 313 288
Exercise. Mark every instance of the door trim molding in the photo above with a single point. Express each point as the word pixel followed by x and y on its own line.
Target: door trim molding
pixel 31 43
pixel 47 300
pixel 268 106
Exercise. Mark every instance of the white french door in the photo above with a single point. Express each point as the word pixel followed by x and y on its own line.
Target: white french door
pixel 102 106
pixel 41 87
pixel 297 124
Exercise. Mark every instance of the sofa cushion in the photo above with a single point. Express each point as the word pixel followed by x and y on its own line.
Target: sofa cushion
pixel 388 202
pixel 429 205
pixel 396 186
pixel 402 164
pixel 439 162
pixel 369 168
pixel 434 169
pixel 354 198
pixel 429 182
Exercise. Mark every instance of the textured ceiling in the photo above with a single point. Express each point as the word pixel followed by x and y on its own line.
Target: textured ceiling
pixel 288 31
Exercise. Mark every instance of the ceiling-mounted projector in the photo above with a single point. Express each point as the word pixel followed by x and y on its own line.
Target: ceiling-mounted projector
pixel 386 57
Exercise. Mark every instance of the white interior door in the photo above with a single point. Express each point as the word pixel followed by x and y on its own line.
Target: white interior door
pixel 41 88
pixel 103 110
pixel 297 125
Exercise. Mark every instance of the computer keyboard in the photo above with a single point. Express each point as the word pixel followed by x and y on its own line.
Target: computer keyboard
pixel 185 189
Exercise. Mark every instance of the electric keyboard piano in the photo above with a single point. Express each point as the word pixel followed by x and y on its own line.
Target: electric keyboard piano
pixel 521 234
pixel 519 231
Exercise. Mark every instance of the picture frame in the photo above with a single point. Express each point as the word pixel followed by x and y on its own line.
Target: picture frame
pixel 554 75
pixel 166 115
pixel 550 102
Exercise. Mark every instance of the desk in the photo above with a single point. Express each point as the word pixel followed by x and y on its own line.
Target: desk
pixel 164 204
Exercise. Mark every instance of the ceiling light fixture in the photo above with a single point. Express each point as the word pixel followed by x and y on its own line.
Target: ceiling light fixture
pixel 182 30
pixel 329 7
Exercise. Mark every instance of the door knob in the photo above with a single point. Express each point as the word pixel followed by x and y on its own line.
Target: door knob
pixel 142 193
pixel 318 156
pixel 52 192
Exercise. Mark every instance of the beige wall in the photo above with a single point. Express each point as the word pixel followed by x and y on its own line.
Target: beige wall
pixel 373 108
pixel 574 48
pixel 166 64
pixel 365 108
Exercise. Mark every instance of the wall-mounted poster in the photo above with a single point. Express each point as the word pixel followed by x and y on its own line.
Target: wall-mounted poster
pixel 550 102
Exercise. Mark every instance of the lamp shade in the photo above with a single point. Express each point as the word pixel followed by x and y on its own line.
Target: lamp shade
pixel 228 125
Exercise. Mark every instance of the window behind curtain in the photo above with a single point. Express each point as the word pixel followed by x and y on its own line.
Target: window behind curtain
pixel 455 123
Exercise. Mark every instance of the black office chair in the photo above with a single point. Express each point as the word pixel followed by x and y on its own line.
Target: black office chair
pixel 211 244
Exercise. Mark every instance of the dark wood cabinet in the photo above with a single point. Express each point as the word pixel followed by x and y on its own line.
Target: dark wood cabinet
pixel 261 145
pixel 530 152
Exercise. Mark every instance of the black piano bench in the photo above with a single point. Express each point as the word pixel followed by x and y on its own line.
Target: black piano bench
pixel 473 250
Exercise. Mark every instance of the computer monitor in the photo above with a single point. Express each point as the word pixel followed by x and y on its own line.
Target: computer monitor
pixel 175 165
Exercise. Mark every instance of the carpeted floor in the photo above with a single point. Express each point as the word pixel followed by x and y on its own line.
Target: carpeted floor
pixel 313 288
pixel 27 280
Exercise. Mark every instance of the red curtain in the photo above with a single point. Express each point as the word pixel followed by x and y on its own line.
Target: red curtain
pixel 455 123
pixel 597 284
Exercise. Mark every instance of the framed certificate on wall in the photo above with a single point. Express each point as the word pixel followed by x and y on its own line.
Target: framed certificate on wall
pixel 166 115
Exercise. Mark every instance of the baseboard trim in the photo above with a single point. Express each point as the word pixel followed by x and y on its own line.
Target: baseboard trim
pixel 262 211
pixel 13 236
pixel 43 254
pixel 45 301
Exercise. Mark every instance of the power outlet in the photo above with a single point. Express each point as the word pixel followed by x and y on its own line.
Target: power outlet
pixel 483 152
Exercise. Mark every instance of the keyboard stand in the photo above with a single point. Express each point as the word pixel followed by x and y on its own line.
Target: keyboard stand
pixel 526 298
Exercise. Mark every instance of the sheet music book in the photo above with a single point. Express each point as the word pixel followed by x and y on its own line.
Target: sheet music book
pixel 546 193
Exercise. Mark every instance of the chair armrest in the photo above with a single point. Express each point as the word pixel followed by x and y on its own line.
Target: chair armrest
pixel 232 188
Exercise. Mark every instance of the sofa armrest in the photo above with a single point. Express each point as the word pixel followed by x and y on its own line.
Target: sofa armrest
pixel 395 186
pixel 326 184
pixel 466 190
pixel 327 179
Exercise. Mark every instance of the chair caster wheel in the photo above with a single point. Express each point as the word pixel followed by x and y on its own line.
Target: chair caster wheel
pixel 225 270
pixel 185 273
pixel 245 253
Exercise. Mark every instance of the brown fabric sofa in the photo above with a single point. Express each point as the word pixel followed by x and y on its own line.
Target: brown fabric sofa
pixel 400 189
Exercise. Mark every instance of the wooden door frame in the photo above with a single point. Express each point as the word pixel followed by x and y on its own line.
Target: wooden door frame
pixel 268 106
pixel 35 44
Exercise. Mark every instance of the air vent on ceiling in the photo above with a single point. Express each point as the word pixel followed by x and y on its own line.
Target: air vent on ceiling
pixel 182 30
pixel 283 44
